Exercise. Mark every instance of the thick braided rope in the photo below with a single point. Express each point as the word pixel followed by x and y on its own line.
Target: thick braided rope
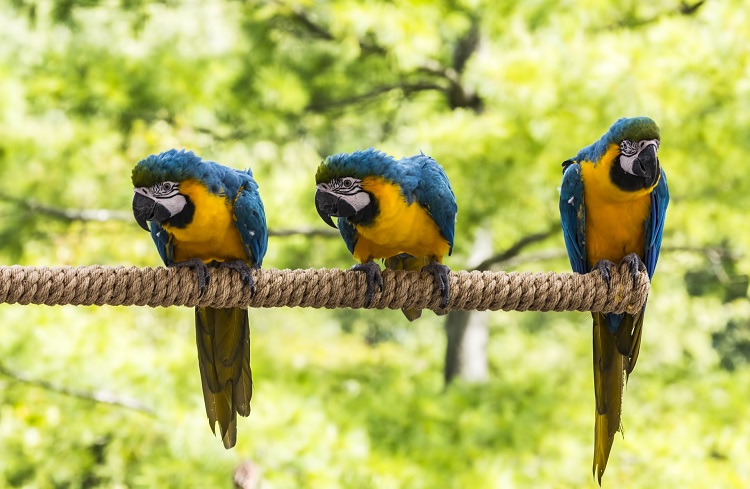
pixel 329 288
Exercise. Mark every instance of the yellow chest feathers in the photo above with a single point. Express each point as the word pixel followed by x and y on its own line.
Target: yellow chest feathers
pixel 615 219
pixel 212 233
pixel 399 227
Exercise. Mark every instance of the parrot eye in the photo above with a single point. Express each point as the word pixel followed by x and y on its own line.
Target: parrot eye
pixel 345 185
pixel 164 189
pixel 628 148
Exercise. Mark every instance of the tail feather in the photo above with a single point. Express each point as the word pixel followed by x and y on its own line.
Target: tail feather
pixel 635 346
pixel 609 366
pixel 226 415
pixel 223 340
pixel 628 338
pixel 209 401
pixel 205 331
pixel 408 262
pixel 243 389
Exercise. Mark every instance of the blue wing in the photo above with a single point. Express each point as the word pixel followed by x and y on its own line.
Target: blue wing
pixel 250 219
pixel 433 192
pixel 348 232
pixel 163 244
pixel 573 217
pixel 655 223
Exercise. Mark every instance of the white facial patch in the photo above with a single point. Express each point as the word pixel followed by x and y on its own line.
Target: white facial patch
pixel 173 204
pixel 359 200
pixel 348 189
pixel 165 193
pixel 626 162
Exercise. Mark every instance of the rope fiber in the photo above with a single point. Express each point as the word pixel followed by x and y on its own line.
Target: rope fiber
pixel 329 288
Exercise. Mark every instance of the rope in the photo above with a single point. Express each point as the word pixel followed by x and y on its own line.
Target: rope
pixel 329 288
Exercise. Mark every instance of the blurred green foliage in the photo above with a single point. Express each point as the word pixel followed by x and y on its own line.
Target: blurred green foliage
pixel 500 93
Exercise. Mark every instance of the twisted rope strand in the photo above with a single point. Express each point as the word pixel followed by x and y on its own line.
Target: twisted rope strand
pixel 329 288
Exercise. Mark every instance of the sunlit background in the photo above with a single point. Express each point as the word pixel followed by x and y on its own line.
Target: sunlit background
pixel 500 93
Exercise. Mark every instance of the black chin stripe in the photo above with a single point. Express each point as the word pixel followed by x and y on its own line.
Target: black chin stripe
pixel 366 214
pixel 628 182
pixel 184 217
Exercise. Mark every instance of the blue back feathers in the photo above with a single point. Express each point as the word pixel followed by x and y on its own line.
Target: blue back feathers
pixel 180 165
pixel 359 164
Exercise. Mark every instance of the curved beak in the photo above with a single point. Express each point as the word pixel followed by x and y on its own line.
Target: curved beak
pixel 646 165
pixel 143 210
pixel 328 204
pixel 146 209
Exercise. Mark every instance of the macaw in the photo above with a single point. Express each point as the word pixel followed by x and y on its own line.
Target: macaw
pixel 613 201
pixel 402 211
pixel 203 213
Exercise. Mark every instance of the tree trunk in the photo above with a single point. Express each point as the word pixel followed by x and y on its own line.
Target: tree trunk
pixel 467 334
pixel 466 352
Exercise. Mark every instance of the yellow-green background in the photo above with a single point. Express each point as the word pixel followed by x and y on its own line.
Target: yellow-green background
pixel 356 399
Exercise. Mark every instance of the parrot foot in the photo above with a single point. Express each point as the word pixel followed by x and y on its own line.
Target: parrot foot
pixel 440 272
pixel 200 269
pixel 635 264
pixel 372 272
pixel 244 270
pixel 605 270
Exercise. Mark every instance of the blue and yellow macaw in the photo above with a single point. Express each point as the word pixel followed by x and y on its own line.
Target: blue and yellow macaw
pixel 403 211
pixel 613 201
pixel 204 213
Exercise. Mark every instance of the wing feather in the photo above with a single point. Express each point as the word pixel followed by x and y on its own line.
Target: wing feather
pixel 426 181
pixel 348 232
pixel 250 219
pixel 655 223
pixel 573 217
pixel 163 243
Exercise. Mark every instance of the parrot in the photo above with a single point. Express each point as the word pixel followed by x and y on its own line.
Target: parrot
pixel 613 202
pixel 204 214
pixel 402 211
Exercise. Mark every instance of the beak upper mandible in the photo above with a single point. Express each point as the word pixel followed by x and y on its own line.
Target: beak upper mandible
pixel 327 205
pixel 646 164
pixel 143 210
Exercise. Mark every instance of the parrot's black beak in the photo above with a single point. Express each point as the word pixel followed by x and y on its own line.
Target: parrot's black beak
pixel 646 165
pixel 327 219
pixel 146 209
pixel 328 204
pixel 143 210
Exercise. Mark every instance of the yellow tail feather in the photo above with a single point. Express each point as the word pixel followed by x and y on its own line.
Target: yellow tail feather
pixel 223 340
pixel 609 367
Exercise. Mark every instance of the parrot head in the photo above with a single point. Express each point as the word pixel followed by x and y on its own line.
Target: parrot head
pixel 157 195
pixel 339 191
pixel 636 164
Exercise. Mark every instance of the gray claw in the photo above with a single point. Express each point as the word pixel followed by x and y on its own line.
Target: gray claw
pixel 440 272
pixel 604 267
pixel 636 265
pixel 200 269
pixel 244 270
pixel 373 277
